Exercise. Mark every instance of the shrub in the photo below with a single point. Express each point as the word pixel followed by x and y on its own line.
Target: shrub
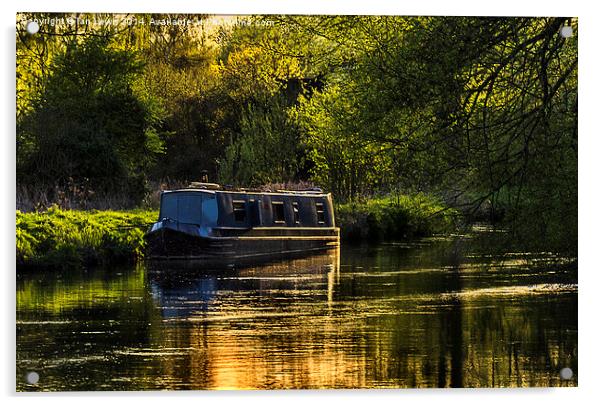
pixel 394 217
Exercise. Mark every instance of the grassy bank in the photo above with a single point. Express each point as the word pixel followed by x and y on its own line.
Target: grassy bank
pixel 394 217
pixel 66 238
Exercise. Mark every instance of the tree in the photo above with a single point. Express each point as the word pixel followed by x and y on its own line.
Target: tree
pixel 482 110
pixel 89 121
pixel 344 160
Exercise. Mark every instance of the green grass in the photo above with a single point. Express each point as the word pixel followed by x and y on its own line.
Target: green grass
pixel 394 217
pixel 65 238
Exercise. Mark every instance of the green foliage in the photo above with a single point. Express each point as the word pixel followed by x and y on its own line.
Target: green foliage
pixel 267 150
pixel 182 75
pixel 89 122
pixel 394 217
pixel 66 238
pixel 458 106
pixel 344 161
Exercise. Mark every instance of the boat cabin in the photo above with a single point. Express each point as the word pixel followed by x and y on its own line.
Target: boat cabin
pixel 218 209
pixel 220 226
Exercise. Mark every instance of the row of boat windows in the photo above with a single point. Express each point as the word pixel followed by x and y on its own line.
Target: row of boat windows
pixel 240 212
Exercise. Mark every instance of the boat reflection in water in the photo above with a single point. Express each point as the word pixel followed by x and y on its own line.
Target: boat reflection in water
pixel 254 327
pixel 184 289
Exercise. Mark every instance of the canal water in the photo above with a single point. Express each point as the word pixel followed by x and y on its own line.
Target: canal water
pixel 458 311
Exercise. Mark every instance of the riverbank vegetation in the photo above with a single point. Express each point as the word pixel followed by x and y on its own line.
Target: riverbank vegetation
pixel 399 217
pixel 480 113
pixel 70 238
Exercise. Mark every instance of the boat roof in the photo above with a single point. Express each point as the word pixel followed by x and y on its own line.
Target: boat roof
pixel 300 193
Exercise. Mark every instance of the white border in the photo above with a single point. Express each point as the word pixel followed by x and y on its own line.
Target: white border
pixel 589 224
pixel 425 7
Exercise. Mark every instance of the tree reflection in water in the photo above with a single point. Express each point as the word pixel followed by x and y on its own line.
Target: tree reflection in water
pixel 435 313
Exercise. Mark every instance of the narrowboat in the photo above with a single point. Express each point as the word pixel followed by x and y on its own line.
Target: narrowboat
pixel 219 226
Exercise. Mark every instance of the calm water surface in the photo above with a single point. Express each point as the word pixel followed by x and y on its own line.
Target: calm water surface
pixel 440 312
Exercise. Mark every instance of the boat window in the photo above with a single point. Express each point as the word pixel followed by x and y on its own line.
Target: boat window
pixel 278 211
pixel 296 212
pixel 169 206
pixel 189 208
pixel 240 211
pixel 320 213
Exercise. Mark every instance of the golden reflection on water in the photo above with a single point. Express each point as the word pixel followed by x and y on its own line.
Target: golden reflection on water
pixel 430 315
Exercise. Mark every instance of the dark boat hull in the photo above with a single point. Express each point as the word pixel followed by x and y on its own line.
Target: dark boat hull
pixel 253 246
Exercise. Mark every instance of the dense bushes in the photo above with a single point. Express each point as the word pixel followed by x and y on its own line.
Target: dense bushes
pixel 91 124
pixel 394 217
pixel 61 238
